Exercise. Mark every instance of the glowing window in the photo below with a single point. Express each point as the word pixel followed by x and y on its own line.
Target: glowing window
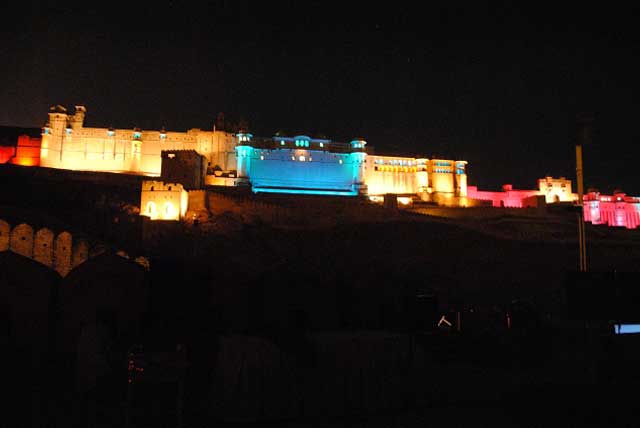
pixel 137 135
pixel 169 210
pixel 163 136
pixel 282 142
pixel 301 158
pixel 151 208
pixel 68 131
pixel 45 131
pixel 261 157
pixel 627 328
pixel 340 161
pixel 171 155
pixel 111 133
pixel 321 144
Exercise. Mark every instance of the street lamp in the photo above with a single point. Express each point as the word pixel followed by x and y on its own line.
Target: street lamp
pixel 584 138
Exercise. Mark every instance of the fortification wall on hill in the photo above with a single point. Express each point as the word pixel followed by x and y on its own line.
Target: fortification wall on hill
pixel 300 211
pixel 58 251
pixel 52 174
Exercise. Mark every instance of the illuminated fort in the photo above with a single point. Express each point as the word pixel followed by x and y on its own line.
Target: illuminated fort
pixel 298 164
pixel 178 163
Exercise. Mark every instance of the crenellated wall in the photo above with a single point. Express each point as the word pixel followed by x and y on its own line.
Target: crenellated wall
pixel 59 252
pixel 43 247
pixel 68 144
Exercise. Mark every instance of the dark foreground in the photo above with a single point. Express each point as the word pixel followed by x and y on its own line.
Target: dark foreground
pixel 238 322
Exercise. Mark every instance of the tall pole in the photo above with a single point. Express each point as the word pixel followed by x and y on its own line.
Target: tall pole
pixel 583 138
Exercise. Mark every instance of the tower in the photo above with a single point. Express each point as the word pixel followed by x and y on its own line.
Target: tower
pixel 244 150
pixel 53 135
pixel 77 120
pixel 461 178
pixel 358 157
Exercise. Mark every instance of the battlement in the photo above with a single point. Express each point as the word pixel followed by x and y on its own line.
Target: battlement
pixel 58 251
pixel 161 186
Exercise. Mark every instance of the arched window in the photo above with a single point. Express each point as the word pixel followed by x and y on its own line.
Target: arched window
pixel 151 209
pixel 169 210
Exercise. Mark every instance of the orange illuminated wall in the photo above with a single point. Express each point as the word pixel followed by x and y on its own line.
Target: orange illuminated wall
pixel 163 201
pixel 27 151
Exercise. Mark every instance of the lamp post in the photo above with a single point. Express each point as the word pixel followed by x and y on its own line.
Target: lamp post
pixel 584 138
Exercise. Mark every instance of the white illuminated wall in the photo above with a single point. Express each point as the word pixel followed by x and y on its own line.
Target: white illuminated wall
pixel 389 174
pixel 404 175
pixel 556 189
pixel 67 144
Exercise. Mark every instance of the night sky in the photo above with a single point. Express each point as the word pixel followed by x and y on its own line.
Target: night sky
pixel 497 86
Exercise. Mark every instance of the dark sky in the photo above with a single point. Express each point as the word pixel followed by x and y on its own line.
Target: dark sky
pixel 498 86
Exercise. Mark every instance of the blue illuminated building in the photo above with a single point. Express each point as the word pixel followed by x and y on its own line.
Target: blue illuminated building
pixel 301 164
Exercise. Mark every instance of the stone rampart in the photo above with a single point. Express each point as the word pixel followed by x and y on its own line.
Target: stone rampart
pixel 60 252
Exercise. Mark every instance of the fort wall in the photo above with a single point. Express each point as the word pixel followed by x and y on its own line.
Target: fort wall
pixel 60 252
pixel 43 247
pixel 304 211
pixel 197 200
pixel 21 241
pixel 5 232
pixel 67 144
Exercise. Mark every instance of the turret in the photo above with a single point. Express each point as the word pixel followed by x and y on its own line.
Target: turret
pixel 461 178
pixel 243 154
pixel 57 119
pixel 358 156
pixel 77 120
pixel 53 134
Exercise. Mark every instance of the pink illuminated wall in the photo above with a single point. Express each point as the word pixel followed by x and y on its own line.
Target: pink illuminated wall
pixel 618 210
pixel 508 198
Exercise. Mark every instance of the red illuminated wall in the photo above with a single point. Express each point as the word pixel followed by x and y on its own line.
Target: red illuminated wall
pixel 6 153
pixel 27 151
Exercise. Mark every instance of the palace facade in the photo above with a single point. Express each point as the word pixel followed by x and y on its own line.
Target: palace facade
pixel 298 164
